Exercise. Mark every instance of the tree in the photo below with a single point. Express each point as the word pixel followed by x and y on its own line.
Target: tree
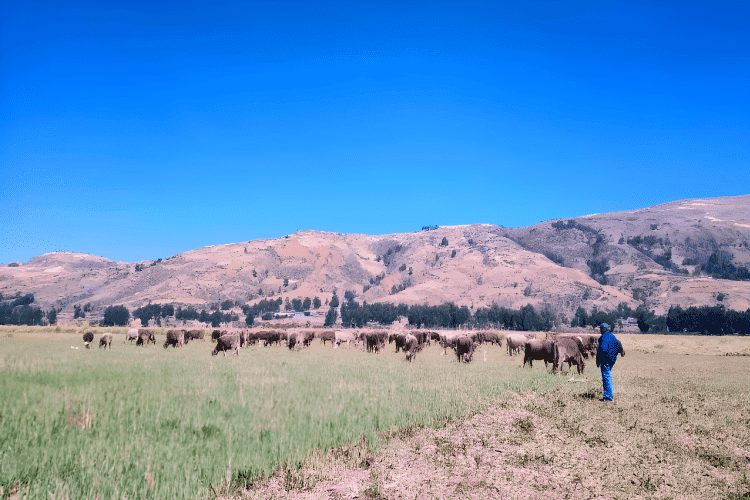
pixel 331 317
pixel 52 316
pixel 249 319
pixel 116 316
pixel 77 312
pixel 349 295
pixel 286 282
pixel 334 300
pixel 227 305
pixel 316 303
pixel 444 242
pixel 580 318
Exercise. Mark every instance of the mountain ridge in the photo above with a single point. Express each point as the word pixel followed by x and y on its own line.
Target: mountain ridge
pixel 644 256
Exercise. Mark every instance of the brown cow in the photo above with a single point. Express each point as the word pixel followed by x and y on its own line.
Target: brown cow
pixel 145 336
pixel 175 338
pixel 411 346
pixel 88 338
pixel 227 343
pixel 327 335
pixel 569 350
pixel 106 340
pixel 543 350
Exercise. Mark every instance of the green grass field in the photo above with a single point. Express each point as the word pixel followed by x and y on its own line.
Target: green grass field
pixel 145 422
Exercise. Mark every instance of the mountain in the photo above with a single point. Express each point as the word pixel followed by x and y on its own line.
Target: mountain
pixel 648 256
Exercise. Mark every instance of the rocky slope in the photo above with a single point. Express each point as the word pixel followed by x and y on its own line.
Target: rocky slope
pixel 558 264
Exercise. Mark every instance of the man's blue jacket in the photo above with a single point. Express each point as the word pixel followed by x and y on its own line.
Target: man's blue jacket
pixel 609 348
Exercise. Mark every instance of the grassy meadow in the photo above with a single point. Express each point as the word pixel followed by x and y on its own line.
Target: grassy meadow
pixel 145 422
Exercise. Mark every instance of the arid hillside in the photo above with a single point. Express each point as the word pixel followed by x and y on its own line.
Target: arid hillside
pixel 649 256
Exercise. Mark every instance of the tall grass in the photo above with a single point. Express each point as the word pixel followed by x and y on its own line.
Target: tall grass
pixel 145 422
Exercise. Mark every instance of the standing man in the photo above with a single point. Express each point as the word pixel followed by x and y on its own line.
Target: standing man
pixel 606 356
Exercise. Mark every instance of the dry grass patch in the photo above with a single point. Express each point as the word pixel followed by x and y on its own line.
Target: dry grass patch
pixel 679 428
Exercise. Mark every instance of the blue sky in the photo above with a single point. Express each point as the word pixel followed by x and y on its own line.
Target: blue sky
pixel 137 130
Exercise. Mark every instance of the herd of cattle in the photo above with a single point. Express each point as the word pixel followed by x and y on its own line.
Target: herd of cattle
pixel 555 349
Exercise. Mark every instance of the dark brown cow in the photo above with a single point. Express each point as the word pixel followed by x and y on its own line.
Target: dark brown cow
pixel 464 348
pixel 569 349
pixel 543 350
pixel 399 338
pixel 88 338
pixel 375 341
pixel 227 343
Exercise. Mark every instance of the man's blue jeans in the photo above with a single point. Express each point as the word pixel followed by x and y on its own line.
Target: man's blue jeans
pixel 607 381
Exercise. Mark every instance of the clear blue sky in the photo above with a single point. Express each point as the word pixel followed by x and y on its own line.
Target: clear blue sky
pixel 137 130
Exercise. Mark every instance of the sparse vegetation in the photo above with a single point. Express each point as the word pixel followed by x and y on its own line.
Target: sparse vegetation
pixel 720 266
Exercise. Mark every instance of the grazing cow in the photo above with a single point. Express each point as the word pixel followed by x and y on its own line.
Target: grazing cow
pixel 270 337
pixel 515 342
pixel 448 340
pixel 488 337
pixel 175 338
pixel 105 340
pixel 464 348
pixel 88 338
pixel 327 335
pixel 306 337
pixel 194 334
pixel 131 335
pixel 342 336
pixel 145 336
pixel 374 341
pixel 569 350
pixel 399 338
pixel 227 343
pixel 543 350
pixel 411 346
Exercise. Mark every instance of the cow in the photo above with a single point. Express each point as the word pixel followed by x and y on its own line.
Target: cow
pixel 374 341
pixel 342 336
pixel 543 350
pixel 216 334
pixel 131 335
pixel 399 338
pixel 270 337
pixel 194 334
pixel 487 337
pixel 411 346
pixel 88 338
pixel 464 348
pixel 569 350
pixel 105 340
pixel 327 335
pixel 175 338
pixel 515 342
pixel 227 343
pixel 145 336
